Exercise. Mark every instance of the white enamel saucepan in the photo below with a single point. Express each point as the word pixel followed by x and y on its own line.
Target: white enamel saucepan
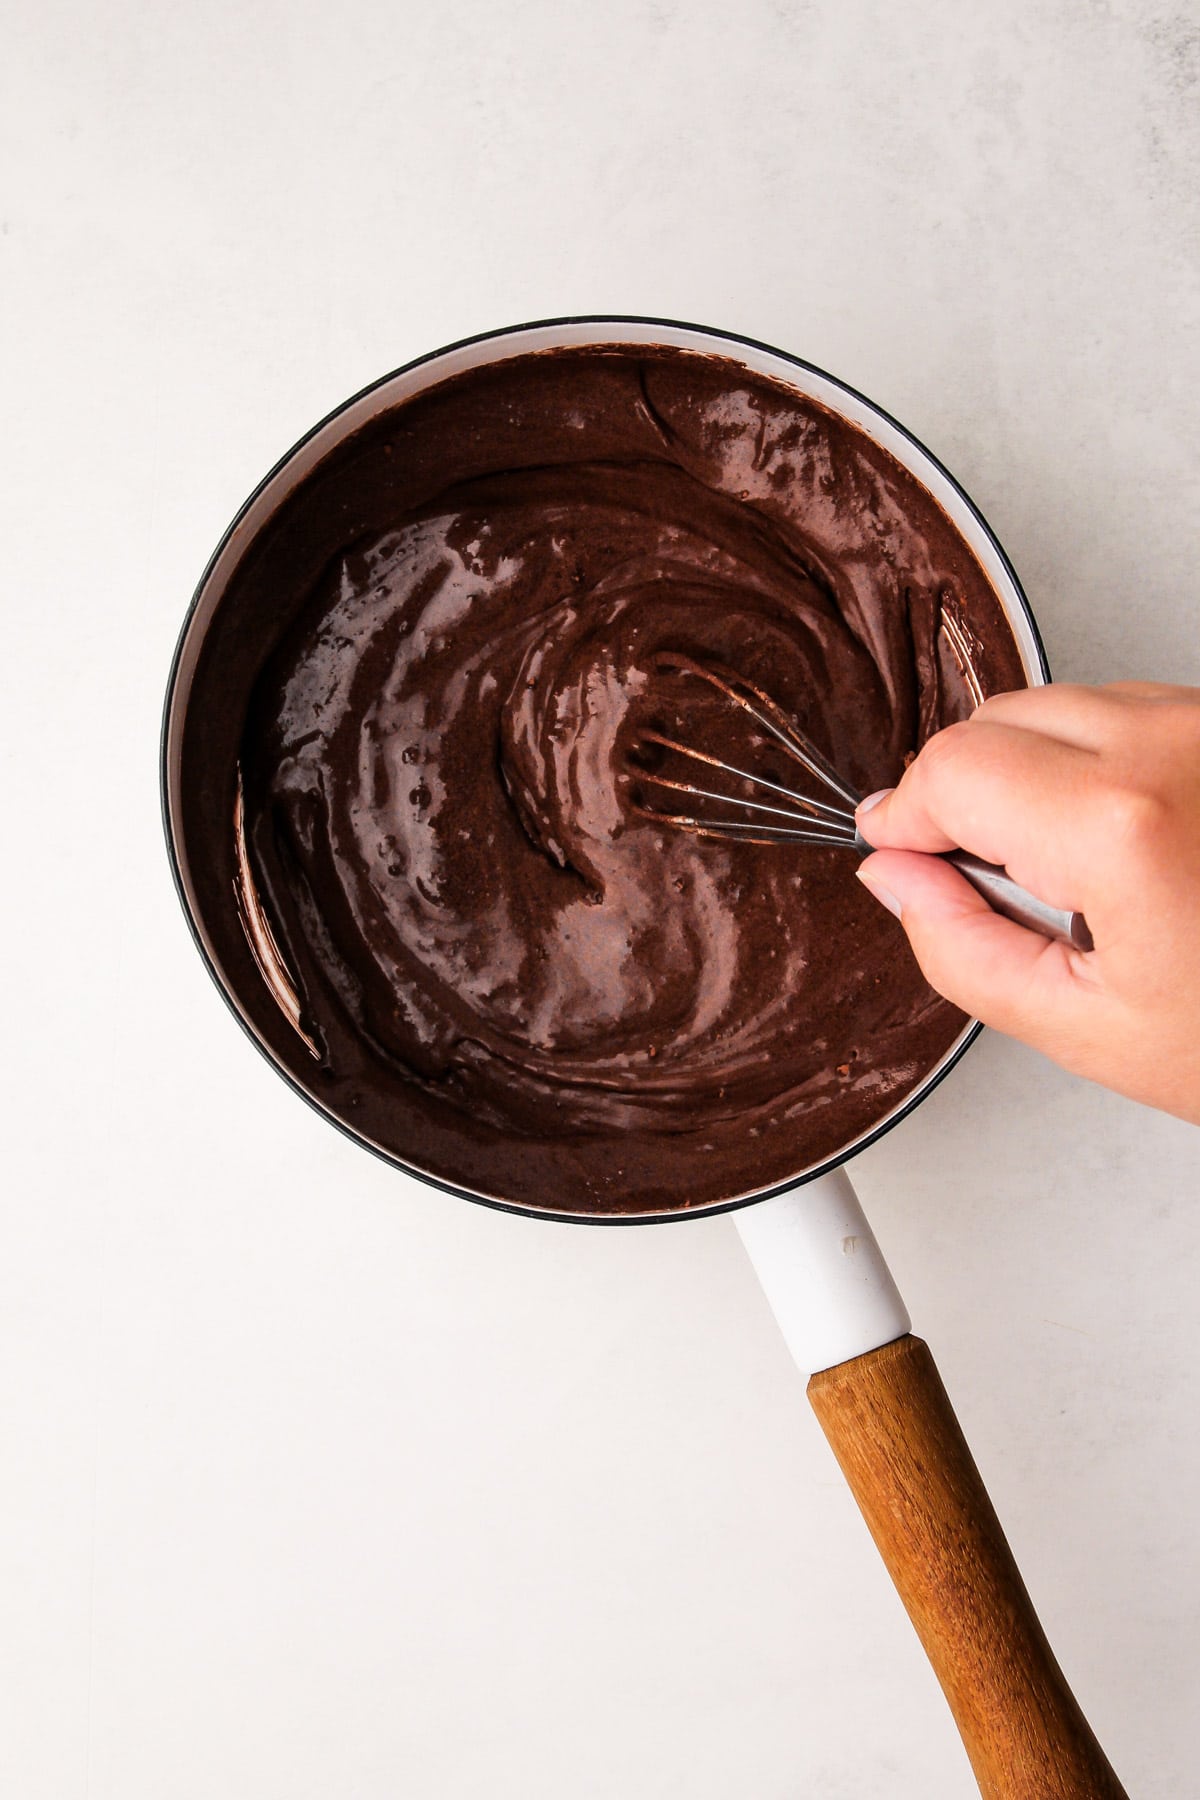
pixel 872 1384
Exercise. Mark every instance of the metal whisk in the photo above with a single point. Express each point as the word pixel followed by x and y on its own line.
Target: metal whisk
pixel 804 820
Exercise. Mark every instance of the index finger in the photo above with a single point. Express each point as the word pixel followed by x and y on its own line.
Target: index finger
pixel 1085 716
pixel 1009 795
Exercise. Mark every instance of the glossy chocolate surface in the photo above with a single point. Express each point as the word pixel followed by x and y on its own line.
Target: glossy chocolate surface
pixel 432 667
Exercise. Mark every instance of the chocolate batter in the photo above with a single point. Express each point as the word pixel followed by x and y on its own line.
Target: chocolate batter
pixel 429 676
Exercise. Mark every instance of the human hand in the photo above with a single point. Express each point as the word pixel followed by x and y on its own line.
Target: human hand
pixel 1090 797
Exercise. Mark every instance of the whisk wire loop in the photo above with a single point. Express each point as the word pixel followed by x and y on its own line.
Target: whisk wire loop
pixel 809 821
pixel 815 809
pixel 763 710
pixel 806 820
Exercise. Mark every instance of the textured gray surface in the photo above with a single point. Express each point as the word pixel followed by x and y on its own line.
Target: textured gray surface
pixel 318 1482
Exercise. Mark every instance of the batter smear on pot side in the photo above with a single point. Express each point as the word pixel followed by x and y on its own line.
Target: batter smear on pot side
pixel 496 967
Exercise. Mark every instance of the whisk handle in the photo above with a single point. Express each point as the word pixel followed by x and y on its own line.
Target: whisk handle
pixel 1012 901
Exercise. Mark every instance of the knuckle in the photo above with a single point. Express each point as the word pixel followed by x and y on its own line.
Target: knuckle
pixel 1136 690
pixel 1012 700
pixel 1136 818
pixel 941 752
pixel 1182 730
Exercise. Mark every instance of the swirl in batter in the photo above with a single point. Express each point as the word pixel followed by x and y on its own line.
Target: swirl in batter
pixel 498 968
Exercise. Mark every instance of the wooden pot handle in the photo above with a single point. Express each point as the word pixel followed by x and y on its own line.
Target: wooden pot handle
pixel 893 1430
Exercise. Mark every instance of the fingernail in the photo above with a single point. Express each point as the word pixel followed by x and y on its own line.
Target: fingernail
pixel 884 895
pixel 864 806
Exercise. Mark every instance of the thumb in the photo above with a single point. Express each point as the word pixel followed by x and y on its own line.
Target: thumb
pixel 1011 978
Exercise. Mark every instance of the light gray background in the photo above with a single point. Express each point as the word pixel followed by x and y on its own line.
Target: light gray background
pixel 314 1481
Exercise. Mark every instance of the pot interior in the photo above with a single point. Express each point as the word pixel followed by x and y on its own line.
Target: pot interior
pixel 223 644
